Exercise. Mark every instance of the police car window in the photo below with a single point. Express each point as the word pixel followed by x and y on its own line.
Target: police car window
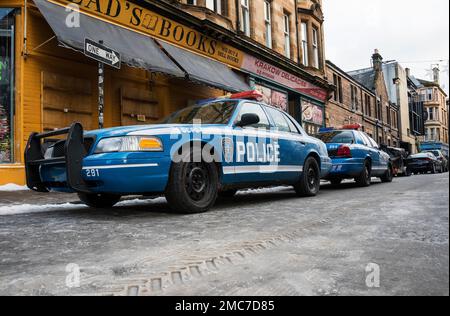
pixel 210 113
pixel 291 124
pixel 278 118
pixel 253 108
pixel 374 143
pixel 337 137
pixel 365 139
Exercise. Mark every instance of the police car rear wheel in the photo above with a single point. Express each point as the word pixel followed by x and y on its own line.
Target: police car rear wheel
pixel 192 187
pixel 99 200
pixel 309 184
pixel 365 178
pixel 388 176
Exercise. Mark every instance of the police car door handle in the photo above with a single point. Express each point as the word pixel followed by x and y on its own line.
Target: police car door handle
pixel 302 143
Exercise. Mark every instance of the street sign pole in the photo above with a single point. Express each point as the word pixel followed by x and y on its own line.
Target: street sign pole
pixel 105 56
pixel 101 94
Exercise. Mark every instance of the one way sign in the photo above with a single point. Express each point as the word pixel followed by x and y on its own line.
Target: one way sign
pixel 102 53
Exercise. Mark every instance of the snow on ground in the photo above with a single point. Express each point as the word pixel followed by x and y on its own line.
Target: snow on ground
pixel 13 187
pixel 265 190
pixel 29 208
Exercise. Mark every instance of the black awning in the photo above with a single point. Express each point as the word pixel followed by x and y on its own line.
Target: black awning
pixel 136 50
pixel 205 70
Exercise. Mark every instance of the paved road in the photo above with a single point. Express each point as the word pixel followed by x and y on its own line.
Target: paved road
pixel 257 244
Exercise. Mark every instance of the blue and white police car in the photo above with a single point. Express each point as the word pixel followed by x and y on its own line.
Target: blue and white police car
pixel 199 153
pixel 355 155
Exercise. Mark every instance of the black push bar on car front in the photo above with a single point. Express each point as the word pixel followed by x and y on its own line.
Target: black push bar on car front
pixel 72 152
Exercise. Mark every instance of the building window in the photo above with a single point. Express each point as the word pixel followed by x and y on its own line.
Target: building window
pixel 315 45
pixel 268 22
pixel 245 10
pixel 214 5
pixel 429 94
pixel 287 36
pixel 431 114
pixel 6 84
pixel 337 81
pixel 305 59
pixel 354 96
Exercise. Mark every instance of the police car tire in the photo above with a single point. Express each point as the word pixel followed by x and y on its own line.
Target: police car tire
pixel 302 188
pixel 388 176
pixel 364 179
pixel 177 197
pixel 99 200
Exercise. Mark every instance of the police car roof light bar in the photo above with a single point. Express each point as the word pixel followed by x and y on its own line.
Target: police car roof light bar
pixel 248 95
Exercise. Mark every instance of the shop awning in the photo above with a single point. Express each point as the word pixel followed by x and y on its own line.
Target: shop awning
pixel 137 50
pixel 205 70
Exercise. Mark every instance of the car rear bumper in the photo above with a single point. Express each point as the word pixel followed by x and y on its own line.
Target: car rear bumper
pixel 346 168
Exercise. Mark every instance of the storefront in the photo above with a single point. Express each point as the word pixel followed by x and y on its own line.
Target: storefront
pixel 166 65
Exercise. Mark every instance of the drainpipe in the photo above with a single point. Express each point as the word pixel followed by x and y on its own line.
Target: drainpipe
pixel 25 33
pixel 297 22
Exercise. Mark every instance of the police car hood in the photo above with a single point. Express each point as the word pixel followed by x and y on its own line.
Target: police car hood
pixel 156 129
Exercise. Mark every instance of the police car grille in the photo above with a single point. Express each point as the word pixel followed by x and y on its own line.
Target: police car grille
pixel 58 148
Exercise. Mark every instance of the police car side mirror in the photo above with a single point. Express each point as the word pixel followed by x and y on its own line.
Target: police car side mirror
pixel 248 119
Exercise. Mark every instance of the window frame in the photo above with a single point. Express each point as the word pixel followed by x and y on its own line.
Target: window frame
pixel 287 34
pixel 305 44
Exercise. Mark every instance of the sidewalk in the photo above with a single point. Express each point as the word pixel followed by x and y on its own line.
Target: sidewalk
pixel 9 198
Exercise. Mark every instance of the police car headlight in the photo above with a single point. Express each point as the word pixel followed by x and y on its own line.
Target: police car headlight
pixel 129 144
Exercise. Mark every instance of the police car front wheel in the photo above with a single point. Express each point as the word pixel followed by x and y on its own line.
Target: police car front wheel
pixel 192 187
pixel 309 184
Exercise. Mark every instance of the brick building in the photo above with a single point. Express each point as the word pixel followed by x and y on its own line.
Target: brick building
pixel 386 113
pixel 351 102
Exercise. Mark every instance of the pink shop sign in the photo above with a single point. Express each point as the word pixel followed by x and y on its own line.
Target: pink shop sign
pixel 282 77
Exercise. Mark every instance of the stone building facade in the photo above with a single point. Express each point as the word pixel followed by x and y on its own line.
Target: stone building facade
pixel 351 103
pixel 436 106
pixel 290 29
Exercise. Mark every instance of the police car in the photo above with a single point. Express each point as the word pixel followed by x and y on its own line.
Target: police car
pixel 355 155
pixel 213 148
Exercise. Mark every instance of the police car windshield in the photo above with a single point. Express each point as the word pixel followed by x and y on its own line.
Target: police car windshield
pixel 337 137
pixel 210 113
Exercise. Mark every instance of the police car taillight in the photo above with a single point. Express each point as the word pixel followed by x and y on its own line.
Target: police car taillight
pixel 248 95
pixel 344 152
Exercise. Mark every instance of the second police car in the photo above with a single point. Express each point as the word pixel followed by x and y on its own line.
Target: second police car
pixel 355 155
pixel 198 153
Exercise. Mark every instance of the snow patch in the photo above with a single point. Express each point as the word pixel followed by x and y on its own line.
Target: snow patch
pixel 29 208
pixel 265 190
pixel 10 187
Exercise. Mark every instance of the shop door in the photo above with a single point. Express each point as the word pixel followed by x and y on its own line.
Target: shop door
pixel 138 107
pixel 66 100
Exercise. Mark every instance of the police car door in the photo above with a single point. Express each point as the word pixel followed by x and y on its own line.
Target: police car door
pixel 255 152
pixel 374 154
pixel 291 143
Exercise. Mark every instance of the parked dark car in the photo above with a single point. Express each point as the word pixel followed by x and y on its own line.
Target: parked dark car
pixel 423 163
pixel 399 158
pixel 440 156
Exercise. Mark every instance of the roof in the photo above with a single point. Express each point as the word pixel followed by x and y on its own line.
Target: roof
pixel 426 83
pixel 365 76
pixel 415 81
